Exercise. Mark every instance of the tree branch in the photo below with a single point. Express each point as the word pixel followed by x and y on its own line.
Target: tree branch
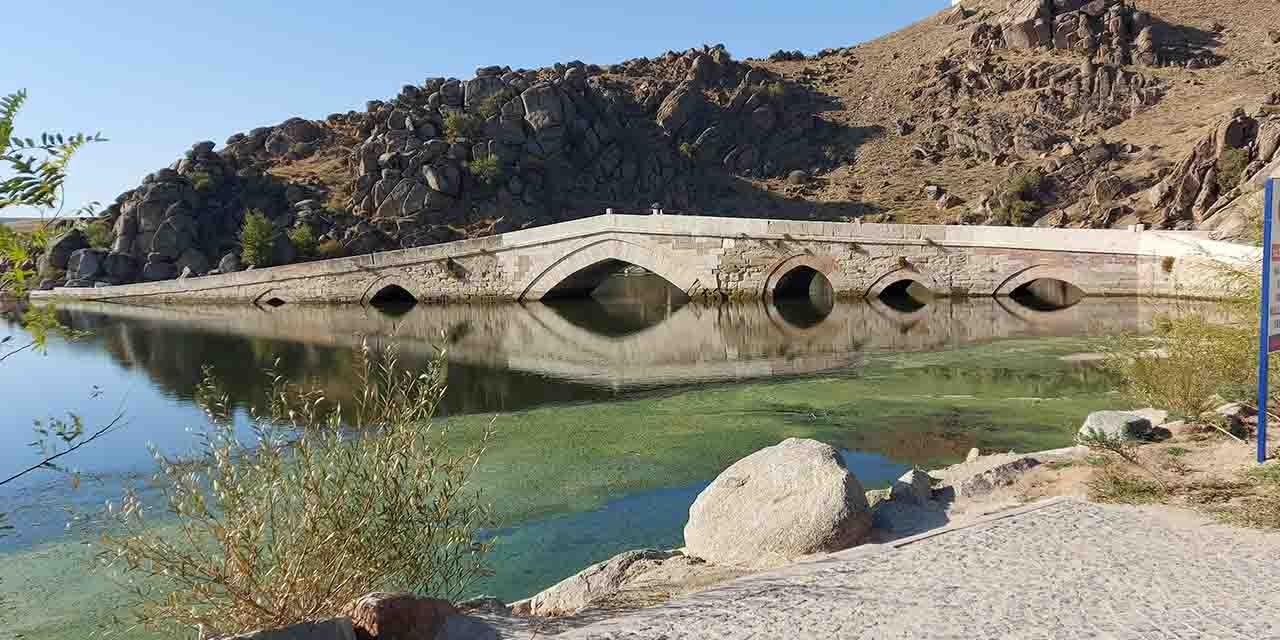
pixel 45 462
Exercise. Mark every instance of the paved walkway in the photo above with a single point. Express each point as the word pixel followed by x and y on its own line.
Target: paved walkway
pixel 1062 569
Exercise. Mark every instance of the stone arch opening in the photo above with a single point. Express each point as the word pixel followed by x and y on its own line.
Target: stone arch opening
pixel 803 296
pixel 1047 294
pixel 393 298
pixel 274 302
pixel 906 295
pixel 613 279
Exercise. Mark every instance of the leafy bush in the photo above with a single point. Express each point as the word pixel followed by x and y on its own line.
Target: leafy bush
pixel 200 180
pixel 18 253
pixel 297 525
pixel 97 233
pixel 492 105
pixel 330 249
pixel 462 125
pixel 257 239
pixel 774 90
pixel 303 240
pixel 1185 363
pixel 1016 201
pixel 1231 166
pixel 686 150
pixel 486 169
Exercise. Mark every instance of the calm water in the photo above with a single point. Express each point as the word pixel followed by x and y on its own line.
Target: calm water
pixel 551 368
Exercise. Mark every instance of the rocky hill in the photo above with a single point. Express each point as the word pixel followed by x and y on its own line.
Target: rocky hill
pixel 1031 112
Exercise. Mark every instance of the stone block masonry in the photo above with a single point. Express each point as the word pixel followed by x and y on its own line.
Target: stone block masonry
pixel 730 258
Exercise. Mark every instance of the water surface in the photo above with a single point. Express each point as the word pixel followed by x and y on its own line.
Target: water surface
pixel 612 415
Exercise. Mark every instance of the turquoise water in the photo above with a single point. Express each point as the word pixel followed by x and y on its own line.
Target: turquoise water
pixel 611 418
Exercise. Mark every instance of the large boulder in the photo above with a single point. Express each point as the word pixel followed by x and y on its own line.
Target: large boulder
pixel 399 616
pixel 792 499
pixel 121 267
pixel 1116 424
pixel 153 271
pixel 229 263
pixel 84 264
pixel 58 251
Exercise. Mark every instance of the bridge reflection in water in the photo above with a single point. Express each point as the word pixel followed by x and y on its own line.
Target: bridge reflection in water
pixel 608 341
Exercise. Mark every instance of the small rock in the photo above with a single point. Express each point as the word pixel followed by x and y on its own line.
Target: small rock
pixel 914 486
pixel 797 177
pixel 1116 424
pixel 1000 475
pixel 399 616
pixel 574 593
pixel 973 454
pixel 229 263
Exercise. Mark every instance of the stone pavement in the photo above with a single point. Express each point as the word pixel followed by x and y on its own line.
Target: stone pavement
pixel 1058 569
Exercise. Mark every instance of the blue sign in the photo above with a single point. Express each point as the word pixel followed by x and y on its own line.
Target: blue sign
pixel 1269 333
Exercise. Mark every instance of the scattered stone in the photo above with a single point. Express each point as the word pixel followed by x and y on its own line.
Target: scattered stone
pixel 399 616
pixel 229 263
pixel 792 499
pixel 915 486
pixel 1116 424
pixel 973 454
pixel 797 177
pixel 574 593
pixel 982 477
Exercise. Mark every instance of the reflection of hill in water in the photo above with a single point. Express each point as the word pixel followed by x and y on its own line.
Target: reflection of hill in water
pixel 505 357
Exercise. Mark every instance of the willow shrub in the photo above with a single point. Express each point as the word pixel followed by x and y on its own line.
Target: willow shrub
pixel 313 513
pixel 1195 359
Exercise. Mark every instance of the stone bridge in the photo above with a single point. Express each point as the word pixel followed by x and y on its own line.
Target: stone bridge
pixel 729 258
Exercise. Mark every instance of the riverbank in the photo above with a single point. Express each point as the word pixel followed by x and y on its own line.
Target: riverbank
pixel 1193 484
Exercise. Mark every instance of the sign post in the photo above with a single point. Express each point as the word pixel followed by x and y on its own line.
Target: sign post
pixel 1269 334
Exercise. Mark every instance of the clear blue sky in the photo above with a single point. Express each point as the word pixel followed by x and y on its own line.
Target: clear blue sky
pixel 156 77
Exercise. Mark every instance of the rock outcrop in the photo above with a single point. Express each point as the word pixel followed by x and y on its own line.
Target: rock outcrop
pixel 792 499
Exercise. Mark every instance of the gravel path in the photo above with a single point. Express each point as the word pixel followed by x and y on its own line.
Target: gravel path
pixel 1061 569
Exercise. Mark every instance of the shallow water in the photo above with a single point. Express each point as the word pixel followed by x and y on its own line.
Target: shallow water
pixel 611 415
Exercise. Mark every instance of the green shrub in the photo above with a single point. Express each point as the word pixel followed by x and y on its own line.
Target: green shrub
pixel 200 180
pixel 297 524
pixel 303 240
pixel 686 150
pixel 1187 361
pixel 1016 201
pixel 462 125
pixel 773 90
pixel 492 105
pixel 257 239
pixel 1231 166
pixel 486 169
pixel 97 233
pixel 330 249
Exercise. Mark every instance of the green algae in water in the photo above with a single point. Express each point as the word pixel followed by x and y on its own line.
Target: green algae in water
pixel 555 463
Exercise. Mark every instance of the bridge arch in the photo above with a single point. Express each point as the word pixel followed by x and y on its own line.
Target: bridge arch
pixel 907 274
pixel 1066 292
pixel 390 289
pixel 597 253
pixel 789 272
